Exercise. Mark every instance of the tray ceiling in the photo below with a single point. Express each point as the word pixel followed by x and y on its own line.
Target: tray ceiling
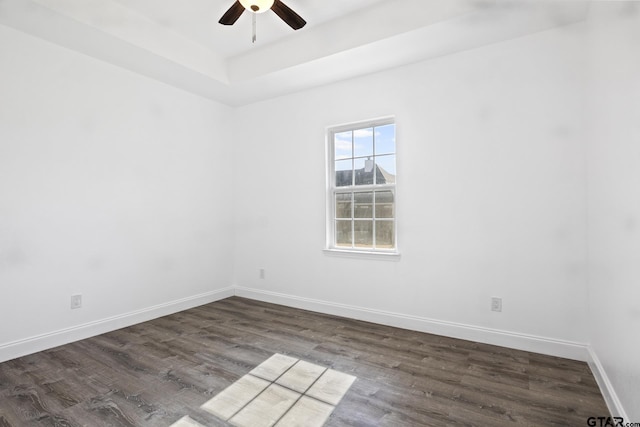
pixel 180 42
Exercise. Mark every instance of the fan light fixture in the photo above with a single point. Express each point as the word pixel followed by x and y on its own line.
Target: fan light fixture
pixel 257 6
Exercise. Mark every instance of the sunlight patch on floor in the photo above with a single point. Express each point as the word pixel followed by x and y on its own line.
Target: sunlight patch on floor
pixel 281 391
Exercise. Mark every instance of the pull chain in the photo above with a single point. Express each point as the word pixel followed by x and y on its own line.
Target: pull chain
pixel 253 16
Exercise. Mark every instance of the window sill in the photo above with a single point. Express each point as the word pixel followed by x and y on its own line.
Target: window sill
pixel 345 253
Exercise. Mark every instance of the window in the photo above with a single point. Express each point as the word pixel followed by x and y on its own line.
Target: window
pixel 362 187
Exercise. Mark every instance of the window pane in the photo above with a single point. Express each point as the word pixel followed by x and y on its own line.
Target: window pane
pixel 363 233
pixel 343 205
pixel 385 139
pixel 344 173
pixel 363 205
pixel 343 233
pixel 343 146
pixel 386 169
pixel 385 235
pixel 364 171
pixel 384 204
pixel 363 142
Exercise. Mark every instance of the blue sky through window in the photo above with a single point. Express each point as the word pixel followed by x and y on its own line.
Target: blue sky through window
pixel 366 143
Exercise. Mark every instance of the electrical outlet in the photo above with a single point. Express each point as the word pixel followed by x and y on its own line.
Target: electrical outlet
pixel 76 301
pixel 262 273
pixel 496 304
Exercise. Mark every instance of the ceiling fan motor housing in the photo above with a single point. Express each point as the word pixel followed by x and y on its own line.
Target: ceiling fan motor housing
pixel 257 6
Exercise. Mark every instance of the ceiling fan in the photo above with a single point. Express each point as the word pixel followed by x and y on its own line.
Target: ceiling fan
pixel 259 6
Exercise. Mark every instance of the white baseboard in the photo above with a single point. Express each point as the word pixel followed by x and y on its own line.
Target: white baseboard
pixel 49 340
pixel 554 347
pixel 608 392
pixel 532 343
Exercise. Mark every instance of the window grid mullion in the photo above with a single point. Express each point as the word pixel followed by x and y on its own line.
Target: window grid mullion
pixel 373 157
pixel 353 160
pixel 353 222
pixel 373 218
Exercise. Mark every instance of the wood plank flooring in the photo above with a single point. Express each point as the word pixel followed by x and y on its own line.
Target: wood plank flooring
pixel 154 373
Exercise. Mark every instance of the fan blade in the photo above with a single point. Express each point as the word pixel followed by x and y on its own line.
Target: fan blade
pixel 232 15
pixel 288 15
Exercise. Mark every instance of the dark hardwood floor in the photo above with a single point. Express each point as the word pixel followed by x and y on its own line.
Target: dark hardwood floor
pixel 154 373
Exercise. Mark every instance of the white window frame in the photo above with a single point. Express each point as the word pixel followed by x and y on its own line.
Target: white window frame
pixel 330 247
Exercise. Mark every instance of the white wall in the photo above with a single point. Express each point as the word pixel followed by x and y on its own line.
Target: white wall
pixel 614 200
pixel 114 186
pixel 491 193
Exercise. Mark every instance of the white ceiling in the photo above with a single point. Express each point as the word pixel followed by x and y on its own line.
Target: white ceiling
pixel 197 20
pixel 180 42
